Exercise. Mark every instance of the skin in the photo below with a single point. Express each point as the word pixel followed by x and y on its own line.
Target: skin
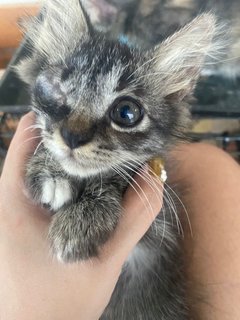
pixel 211 180
pixel 36 286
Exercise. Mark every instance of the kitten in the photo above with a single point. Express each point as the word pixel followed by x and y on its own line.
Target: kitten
pixel 104 109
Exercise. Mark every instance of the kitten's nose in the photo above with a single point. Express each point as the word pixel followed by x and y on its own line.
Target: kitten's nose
pixel 74 140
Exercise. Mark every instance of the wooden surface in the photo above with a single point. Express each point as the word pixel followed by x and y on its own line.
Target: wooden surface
pixel 10 33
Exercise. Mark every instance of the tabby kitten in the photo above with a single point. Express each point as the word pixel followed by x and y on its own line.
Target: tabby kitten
pixel 104 109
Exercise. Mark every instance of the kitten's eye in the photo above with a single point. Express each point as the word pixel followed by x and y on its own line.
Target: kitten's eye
pixel 126 112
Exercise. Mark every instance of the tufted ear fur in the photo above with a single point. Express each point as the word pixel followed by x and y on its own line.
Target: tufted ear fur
pixel 53 35
pixel 176 63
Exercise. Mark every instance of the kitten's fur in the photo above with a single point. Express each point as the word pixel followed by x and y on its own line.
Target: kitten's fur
pixel 76 75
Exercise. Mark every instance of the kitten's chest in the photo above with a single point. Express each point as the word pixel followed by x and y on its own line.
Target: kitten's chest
pixel 140 261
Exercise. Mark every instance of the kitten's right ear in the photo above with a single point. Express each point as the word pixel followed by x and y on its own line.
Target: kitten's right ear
pixel 53 35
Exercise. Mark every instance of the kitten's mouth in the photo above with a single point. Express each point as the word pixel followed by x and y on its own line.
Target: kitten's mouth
pixel 89 161
pixel 80 164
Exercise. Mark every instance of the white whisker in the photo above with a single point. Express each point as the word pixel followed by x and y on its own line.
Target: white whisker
pixel 184 208
pixel 37 148
pixel 142 195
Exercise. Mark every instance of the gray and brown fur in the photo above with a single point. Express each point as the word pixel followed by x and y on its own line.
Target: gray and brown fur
pixel 76 75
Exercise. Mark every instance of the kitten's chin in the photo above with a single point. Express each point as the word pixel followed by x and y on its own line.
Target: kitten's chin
pixel 74 168
pixel 78 168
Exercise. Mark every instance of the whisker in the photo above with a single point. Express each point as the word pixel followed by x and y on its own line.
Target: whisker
pixel 33 127
pixel 156 190
pixel 173 206
pixel 37 148
pixel 101 181
pixel 154 182
pixel 27 140
pixel 141 173
pixel 143 195
pixel 184 208
pixel 174 210
pixel 180 201
pixel 127 180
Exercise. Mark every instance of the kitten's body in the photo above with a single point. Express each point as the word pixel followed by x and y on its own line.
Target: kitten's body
pixel 152 284
pixel 104 109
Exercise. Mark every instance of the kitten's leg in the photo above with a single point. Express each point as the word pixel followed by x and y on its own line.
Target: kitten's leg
pixel 47 184
pixel 78 230
pixel 81 224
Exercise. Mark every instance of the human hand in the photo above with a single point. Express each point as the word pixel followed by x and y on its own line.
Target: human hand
pixel 34 285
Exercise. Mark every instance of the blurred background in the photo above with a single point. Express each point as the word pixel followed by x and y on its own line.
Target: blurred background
pixel 216 110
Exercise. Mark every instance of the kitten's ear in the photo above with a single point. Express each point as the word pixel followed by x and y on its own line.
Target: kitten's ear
pixel 53 35
pixel 176 63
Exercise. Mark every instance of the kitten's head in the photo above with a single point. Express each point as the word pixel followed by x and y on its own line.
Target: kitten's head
pixel 100 103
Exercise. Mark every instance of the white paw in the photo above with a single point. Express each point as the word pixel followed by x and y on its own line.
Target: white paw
pixel 55 193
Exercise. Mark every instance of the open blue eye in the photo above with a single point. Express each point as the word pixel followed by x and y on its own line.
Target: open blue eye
pixel 126 112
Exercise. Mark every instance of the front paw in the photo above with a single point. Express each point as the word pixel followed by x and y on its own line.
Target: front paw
pixel 55 193
pixel 77 232
pixel 51 192
pixel 74 240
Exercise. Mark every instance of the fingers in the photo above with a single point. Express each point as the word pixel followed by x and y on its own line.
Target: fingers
pixel 21 147
pixel 141 204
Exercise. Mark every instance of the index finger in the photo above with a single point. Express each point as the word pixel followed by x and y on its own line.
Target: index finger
pixel 20 149
pixel 141 204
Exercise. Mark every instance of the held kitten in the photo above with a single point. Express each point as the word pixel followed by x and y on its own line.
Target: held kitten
pixel 103 110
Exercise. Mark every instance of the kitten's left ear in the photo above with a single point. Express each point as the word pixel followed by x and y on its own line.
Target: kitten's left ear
pixel 176 63
pixel 53 35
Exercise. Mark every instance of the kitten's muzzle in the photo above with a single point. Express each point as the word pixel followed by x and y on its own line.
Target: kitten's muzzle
pixel 75 140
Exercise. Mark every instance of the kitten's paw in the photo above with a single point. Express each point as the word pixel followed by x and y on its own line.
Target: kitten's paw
pixel 55 193
pixel 71 239
pixel 66 251
pixel 70 249
pixel 79 230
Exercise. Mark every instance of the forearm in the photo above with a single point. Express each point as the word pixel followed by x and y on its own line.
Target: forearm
pixel 211 180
